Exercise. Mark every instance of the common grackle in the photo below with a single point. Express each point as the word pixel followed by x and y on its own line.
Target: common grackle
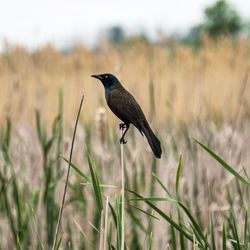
pixel 126 108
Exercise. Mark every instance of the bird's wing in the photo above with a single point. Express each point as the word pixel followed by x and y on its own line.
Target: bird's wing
pixel 125 107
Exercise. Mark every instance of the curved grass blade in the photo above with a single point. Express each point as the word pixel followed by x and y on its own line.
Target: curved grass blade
pixel 135 220
pixel 76 169
pixel 143 211
pixel 165 216
pixel 224 164
pixel 196 226
pixel 162 185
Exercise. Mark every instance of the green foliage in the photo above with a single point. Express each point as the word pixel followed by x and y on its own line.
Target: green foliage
pixel 51 170
pixel 115 34
pixel 222 19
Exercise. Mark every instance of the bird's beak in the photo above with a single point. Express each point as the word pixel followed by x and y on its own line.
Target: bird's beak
pixel 99 77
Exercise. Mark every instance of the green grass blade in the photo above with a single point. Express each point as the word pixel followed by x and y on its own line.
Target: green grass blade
pixel 162 185
pixel 178 173
pixel 39 127
pixel 213 246
pixel 181 237
pixel 224 164
pixel 7 133
pixel 236 240
pixel 78 171
pixel 197 238
pixel 173 237
pixel 17 200
pixel 134 219
pixel 186 210
pixel 224 238
pixel 59 242
pixel 5 141
pixel 7 207
pixel 143 211
pixel 154 199
pixel 165 216
pixel 59 132
pixel 246 234
pixel 113 213
pixel 96 186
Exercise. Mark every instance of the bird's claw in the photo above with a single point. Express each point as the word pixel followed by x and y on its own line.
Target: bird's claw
pixel 122 126
pixel 122 141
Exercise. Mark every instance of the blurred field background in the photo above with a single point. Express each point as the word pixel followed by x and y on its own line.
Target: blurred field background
pixel 193 199
pixel 187 84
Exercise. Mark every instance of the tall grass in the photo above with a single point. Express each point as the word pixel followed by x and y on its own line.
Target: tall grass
pixel 193 198
pixel 178 212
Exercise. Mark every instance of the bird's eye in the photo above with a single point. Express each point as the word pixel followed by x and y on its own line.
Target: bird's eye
pixel 106 76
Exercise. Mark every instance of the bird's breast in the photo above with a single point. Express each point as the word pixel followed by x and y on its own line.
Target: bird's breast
pixel 108 91
pixel 107 94
pixel 108 97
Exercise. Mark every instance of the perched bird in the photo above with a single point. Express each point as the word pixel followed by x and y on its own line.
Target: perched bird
pixel 126 108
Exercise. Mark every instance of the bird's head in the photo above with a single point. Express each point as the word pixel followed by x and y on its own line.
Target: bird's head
pixel 108 80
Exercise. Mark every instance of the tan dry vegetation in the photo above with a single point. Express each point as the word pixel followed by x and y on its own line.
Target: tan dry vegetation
pixel 207 84
pixel 188 84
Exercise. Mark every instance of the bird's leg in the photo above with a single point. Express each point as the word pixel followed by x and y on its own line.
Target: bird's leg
pixel 122 126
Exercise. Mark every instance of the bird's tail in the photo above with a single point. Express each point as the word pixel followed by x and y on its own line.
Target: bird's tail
pixel 153 141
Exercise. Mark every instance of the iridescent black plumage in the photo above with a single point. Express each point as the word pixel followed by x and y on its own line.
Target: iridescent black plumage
pixel 126 108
